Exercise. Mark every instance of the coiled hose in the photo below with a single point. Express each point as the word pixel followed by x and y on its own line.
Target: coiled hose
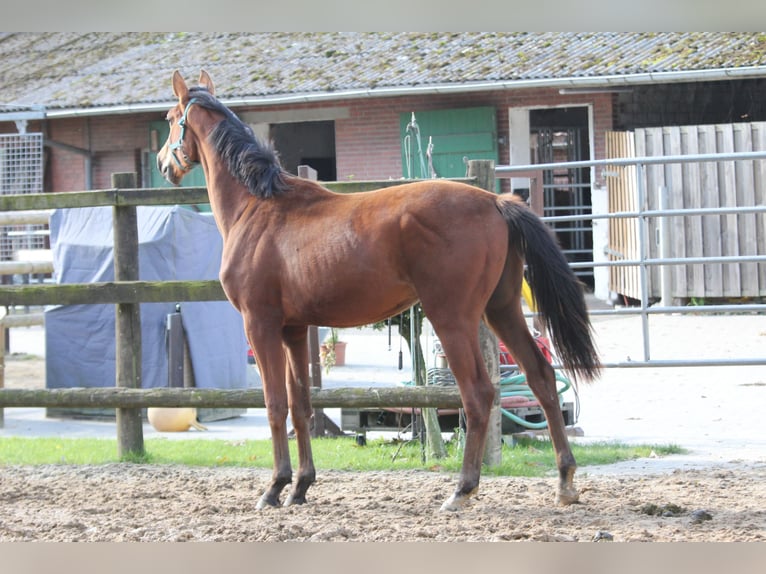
pixel 512 384
pixel 515 385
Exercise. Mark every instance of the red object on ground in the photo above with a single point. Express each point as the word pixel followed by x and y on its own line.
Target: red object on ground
pixel 542 343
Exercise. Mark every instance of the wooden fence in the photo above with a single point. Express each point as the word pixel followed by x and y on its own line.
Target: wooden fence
pixel 692 185
pixel 127 293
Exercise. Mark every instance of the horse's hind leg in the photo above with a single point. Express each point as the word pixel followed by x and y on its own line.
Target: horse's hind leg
pixel 461 345
pixel 509 324
pixel 298 389
pixel 269 354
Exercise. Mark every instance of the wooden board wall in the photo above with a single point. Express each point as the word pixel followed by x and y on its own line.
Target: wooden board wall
pixel 693 185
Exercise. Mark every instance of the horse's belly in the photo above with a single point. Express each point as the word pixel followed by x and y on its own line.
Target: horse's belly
pixel 351 305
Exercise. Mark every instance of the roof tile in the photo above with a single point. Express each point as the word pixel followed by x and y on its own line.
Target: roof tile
pixel 69 70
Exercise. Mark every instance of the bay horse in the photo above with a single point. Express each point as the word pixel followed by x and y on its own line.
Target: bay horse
pixel 296 254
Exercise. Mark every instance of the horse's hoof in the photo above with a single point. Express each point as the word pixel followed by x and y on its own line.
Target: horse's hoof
pixel 568 496
pixel 266 501
pixel 295 500
pixel 454 503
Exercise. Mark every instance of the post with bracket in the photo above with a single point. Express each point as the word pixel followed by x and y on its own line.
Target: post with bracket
pixel 323 425
pixel 3 312
pixel 484 172
pixel 128 359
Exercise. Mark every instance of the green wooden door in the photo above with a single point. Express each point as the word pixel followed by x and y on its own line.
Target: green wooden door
pixel 195 178
pixel 455 134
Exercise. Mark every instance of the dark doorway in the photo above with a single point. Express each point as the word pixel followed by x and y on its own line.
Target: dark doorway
pixel 561 135
pixel 306 143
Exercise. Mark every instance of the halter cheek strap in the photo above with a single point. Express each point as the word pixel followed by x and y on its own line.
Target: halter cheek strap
pixel 179 145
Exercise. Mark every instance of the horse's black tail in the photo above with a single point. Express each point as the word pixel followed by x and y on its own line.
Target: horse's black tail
pixel 557 292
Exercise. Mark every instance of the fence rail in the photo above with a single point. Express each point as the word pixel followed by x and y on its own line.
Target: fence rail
pixel 641 250
pixel 111 292
pixel 114 397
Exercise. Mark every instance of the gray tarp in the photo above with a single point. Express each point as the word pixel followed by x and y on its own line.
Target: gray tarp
pixel 174 244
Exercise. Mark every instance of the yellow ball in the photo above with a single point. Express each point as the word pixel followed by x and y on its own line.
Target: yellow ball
pixel 165 419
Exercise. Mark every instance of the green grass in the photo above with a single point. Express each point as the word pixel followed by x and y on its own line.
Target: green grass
pixel 527 458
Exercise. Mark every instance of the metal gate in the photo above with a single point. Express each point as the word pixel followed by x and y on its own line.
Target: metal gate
pixel 567 192
pixel 644 260
pixel 21 172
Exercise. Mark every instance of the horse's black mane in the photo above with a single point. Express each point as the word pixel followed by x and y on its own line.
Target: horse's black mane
pixel 253 162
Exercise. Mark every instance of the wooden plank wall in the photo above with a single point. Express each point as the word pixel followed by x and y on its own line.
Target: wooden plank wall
pixel 623 233
pixel 708 185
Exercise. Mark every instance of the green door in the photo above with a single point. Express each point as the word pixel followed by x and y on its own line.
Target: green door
pixel 195 178
pixel 455 134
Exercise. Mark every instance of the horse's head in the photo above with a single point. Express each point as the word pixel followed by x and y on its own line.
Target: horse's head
pixel 179 154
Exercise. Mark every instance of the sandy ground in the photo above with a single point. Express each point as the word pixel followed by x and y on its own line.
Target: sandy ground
pixel 155 503
pixel 714 492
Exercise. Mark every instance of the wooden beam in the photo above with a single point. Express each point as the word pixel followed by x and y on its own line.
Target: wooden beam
pixel 371 185
pixel 160 195
pixel 3 312
pixel 32 217
pixel 104 197
pixel 121 397
pixel 128 360
pixel 25 267
pixel 110 292
pixel 484 172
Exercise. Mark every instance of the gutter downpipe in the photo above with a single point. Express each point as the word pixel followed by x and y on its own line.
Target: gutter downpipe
pixel 613 80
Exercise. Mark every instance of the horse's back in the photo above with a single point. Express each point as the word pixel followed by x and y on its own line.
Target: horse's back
pixel 343 259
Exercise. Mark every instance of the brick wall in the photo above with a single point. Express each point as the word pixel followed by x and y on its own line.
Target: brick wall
pixel 367 142
pixel 116 143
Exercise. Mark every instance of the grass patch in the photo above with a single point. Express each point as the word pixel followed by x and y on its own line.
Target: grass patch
pixel 22 357
pixel 527 458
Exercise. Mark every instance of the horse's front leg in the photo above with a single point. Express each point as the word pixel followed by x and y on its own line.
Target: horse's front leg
pixel 299 396
pixel 267 347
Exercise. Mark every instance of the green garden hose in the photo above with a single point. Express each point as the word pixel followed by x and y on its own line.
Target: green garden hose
pixel 516 386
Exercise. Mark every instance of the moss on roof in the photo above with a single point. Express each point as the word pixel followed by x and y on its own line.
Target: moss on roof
pixel 67 70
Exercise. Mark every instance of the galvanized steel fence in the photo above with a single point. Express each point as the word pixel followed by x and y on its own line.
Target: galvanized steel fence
pixel 642 215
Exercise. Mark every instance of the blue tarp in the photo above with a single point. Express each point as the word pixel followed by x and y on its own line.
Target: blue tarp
pixel 174 244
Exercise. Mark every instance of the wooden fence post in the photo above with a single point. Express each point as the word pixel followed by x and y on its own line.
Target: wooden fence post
pixel 128 361
pixel 322 423
pixel 3 311
pixel 484 172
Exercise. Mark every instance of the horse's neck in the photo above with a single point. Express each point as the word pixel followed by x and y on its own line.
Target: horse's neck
pixel 228 197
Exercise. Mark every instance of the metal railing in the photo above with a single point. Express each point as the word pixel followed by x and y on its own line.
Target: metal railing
pixel 643 214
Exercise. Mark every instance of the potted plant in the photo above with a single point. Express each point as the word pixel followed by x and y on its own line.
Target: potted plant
pixel 333 351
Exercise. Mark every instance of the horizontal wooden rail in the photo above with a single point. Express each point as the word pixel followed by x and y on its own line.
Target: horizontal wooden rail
pixel 104 198
pixel 25 267
pixel 157 195
pixel 371 185
pixel 112 292
pixel 114 397
pixel 22 320
pixel 37 217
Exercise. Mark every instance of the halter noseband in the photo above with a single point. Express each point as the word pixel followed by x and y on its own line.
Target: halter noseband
pixel 179 145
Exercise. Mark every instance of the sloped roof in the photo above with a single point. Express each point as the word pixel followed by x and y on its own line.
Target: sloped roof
pixel 70 70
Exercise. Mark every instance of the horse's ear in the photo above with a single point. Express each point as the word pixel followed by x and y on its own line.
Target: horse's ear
pixel 179 86
pixel 206 82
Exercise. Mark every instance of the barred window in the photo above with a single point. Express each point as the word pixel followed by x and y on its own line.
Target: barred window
pixel 21 172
